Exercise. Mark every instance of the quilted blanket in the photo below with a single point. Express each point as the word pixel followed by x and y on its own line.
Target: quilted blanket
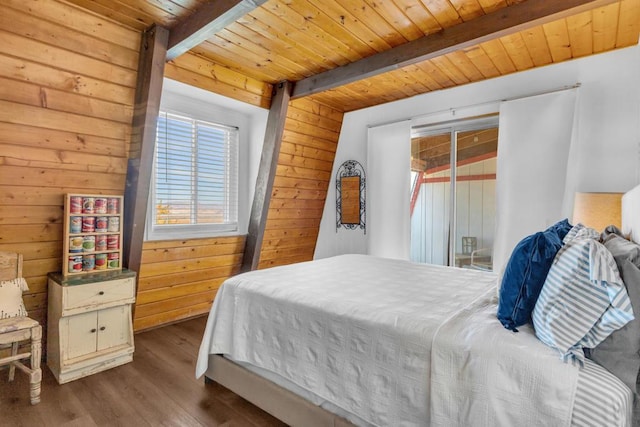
pixel 488 376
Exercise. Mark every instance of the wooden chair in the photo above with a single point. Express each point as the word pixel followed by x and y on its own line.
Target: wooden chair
pixel 15 330
pixel 481 259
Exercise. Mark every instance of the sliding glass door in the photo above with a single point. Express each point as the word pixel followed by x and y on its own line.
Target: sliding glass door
pixel 453 193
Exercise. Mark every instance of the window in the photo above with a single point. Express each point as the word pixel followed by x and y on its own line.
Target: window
pixel 195 181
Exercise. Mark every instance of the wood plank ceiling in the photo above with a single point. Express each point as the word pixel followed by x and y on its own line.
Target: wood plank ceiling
pixel 295 39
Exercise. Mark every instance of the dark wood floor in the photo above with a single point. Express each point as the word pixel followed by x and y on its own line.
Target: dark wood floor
pixel 157 389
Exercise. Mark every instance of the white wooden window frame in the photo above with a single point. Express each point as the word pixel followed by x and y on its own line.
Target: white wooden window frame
pixel 181 99
pixel 193 183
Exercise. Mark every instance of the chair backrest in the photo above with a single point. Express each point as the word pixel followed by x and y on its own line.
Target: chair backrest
pixel 10 265
pixel 469 244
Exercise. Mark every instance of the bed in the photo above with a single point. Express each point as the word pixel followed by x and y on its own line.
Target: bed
pixel 366 341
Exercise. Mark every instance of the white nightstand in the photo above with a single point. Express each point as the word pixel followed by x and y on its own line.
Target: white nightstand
pixel 89 326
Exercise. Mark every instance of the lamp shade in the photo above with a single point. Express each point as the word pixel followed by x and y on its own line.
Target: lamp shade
pixel 598 210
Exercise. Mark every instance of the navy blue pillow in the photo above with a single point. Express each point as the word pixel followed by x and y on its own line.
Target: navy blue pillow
pixel 561 228
pixel 526 272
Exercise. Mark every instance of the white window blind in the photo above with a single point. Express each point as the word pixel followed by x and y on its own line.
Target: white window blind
pixel 196 175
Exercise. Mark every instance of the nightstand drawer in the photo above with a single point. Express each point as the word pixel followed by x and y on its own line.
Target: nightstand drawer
pixel 98 294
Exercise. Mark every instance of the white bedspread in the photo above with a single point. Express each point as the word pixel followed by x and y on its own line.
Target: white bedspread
pixel 480 373
pixel 358 332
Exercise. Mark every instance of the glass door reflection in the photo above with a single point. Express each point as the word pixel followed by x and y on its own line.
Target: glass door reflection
pixel 475 177
pixel 430 198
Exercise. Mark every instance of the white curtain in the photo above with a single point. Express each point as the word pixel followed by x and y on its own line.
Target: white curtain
pixel 536 168
pixel 388 190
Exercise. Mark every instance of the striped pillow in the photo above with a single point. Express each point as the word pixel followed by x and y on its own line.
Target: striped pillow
pixel 579 231
pixel 582 301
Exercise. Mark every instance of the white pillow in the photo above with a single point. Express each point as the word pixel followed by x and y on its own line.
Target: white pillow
pixel 11 303
pixel 583 299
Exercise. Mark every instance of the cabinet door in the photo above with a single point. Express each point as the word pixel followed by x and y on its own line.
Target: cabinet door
pixel 113 327
pixel 81 333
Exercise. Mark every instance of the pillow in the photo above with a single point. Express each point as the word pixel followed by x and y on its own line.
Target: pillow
pixel 608 230
pixel 561 228
pixel 11 304
pixel 579 231
pixel 583 300
pixel 620 352
pixel 622 249
pixel 525 273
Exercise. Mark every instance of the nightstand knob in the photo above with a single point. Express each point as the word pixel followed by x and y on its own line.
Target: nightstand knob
pixel 101 293
pixel 102 328
pixel 93 331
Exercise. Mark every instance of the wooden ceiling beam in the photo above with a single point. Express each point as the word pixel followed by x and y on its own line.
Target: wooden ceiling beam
pixel 502 22
pixel 210 18
pixel 266 174
pixel 464 156
pixel 153 47
pixel 418 165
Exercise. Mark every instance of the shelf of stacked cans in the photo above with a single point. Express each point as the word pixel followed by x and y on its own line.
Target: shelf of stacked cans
pixel 92 233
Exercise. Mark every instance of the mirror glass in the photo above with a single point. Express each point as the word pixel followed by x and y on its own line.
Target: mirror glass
pixel 350 200
pixel 350 196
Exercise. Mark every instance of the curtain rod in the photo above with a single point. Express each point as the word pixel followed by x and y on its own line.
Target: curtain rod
pixel 515 98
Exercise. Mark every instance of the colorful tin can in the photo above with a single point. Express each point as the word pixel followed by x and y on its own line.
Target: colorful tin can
pixel 113 205
pixel 100 205
pixel 113 260
pixel 113 242
pixel 101 224
pixel 88 224
pixel 101 261
pixel 101 242
pixel 88 262
pixel 75 224
pixel 88 205
pixel 75 204
pixel 114 224
pixel 75 264
pixel 88 243
pixel 75 244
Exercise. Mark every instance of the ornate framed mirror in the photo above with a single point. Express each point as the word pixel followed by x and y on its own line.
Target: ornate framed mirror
pixel 350 196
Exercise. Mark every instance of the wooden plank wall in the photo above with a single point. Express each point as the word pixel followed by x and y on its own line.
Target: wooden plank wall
pixel 300 187
pixel 67 81
pixel 179 279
